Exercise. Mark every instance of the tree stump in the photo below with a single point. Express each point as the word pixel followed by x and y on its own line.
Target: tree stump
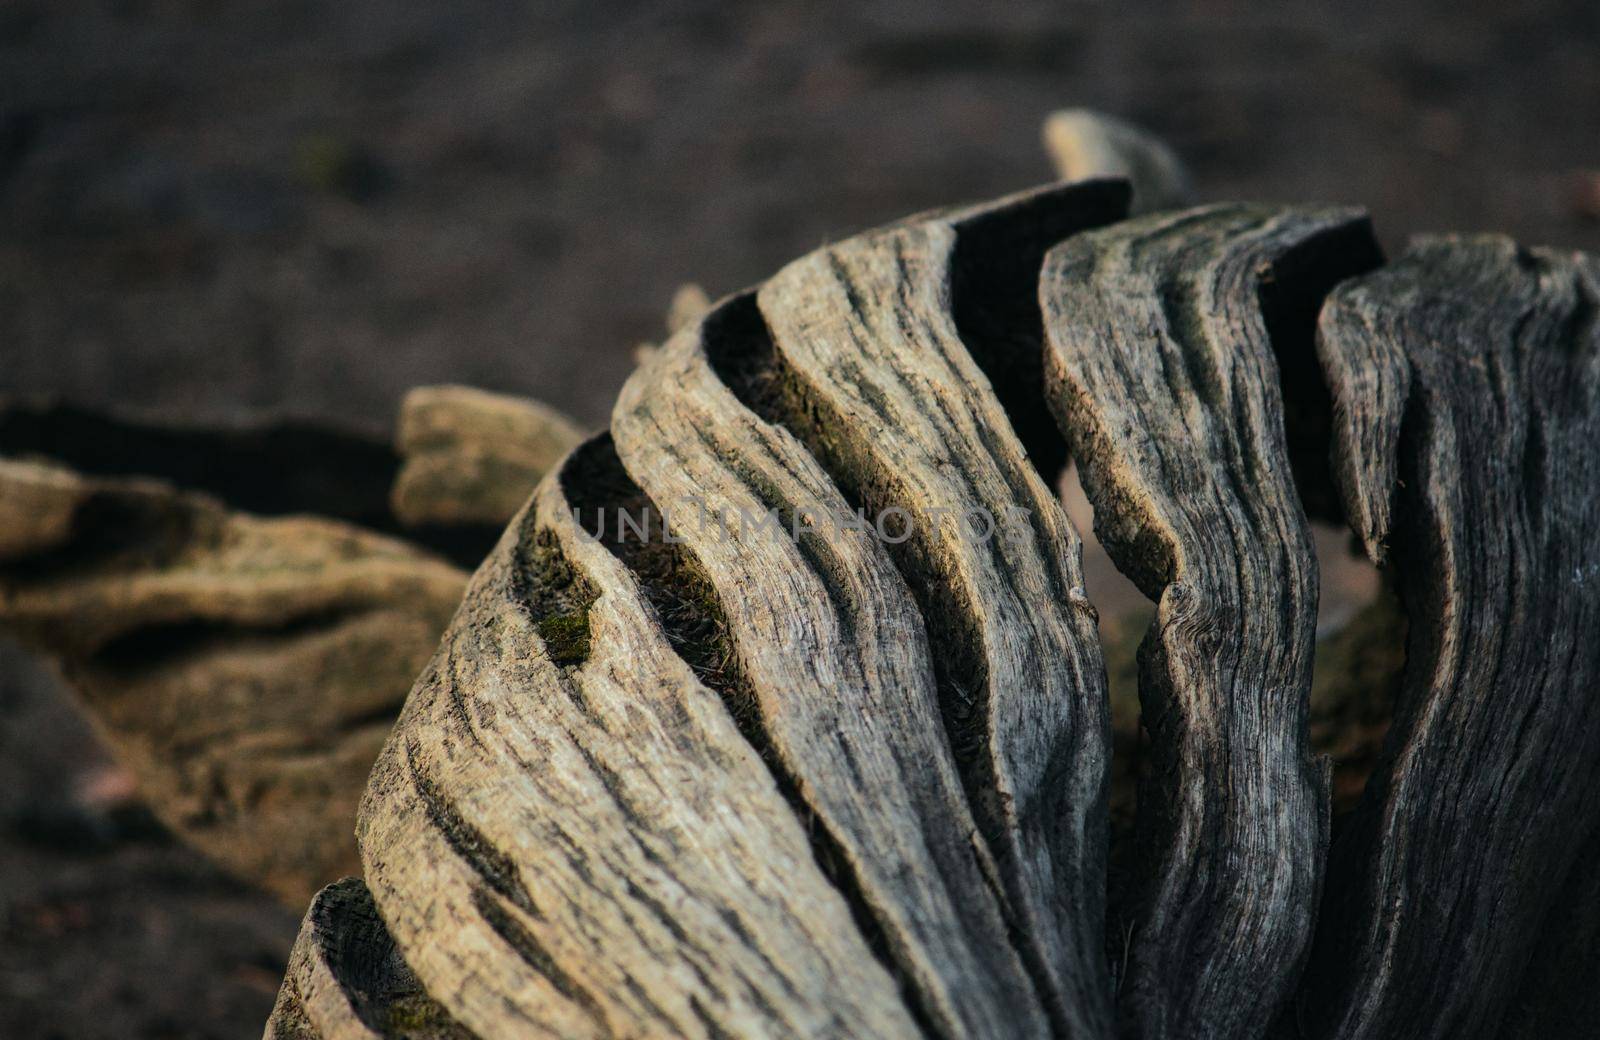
pixel 780 711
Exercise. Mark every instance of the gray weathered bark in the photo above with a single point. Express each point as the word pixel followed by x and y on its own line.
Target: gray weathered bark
pixel 745 770
pixel 706 752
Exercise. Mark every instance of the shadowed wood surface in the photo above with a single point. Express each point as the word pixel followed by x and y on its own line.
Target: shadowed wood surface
pixel 1466 380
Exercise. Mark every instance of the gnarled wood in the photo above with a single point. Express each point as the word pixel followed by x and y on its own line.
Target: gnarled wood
pixel 568 836
pixel 764 772
pixel 1163 377
pixel 833 667
pixel 1466 379
pixel 888 394
pixel 245 668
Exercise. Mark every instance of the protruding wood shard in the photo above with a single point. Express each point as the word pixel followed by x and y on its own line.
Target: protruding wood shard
pixel 874 376
pixel 1083 143
pixel 473 457
pixel 1466 381
pixel 1162 374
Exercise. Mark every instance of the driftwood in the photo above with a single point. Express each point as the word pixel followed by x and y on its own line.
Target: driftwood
pixel 1466 383
pixel 747 727
pixel 243 659
pixel 781 709
pixel 247 669
pixel 470 457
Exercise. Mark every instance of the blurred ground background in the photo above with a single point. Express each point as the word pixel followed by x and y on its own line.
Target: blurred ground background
pixel 210 209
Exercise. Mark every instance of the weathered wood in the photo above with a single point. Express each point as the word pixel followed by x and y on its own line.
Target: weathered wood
pixel 832 668
pixel 1466 380
pixel 767 772
pixel 246 669
pixel 890 398
pixel 346 981
pixel 1162 373
pixel 568 835
pixel 472 457
pixel 253 737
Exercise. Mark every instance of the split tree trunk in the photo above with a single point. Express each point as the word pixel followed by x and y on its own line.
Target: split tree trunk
pixel 711 779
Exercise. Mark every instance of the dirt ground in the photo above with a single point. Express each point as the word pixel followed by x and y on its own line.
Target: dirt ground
pixel 210 209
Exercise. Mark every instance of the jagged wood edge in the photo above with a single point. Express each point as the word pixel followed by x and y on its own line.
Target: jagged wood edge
pixel 346 981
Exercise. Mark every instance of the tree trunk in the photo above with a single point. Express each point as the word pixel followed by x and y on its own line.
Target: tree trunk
pixel 780 709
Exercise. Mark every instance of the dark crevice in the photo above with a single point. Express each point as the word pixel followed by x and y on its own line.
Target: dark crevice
pixel 532 953
pixel 1355 673
pixel 383 991
pixel 994 295
pixel 740 350
pixel 497 869
pixel 1290 295
pixel 601 493
pixel 1417 544
pixel 556 597
pixel 112 529
pixel 272 469
pixel 686 603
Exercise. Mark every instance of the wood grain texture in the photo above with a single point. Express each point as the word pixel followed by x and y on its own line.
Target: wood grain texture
pixel 346 981
pixel 1466 379
pixel 834 664
pixel 568 835
pixel 890 398
pixel 706 752
pixel 1163 376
